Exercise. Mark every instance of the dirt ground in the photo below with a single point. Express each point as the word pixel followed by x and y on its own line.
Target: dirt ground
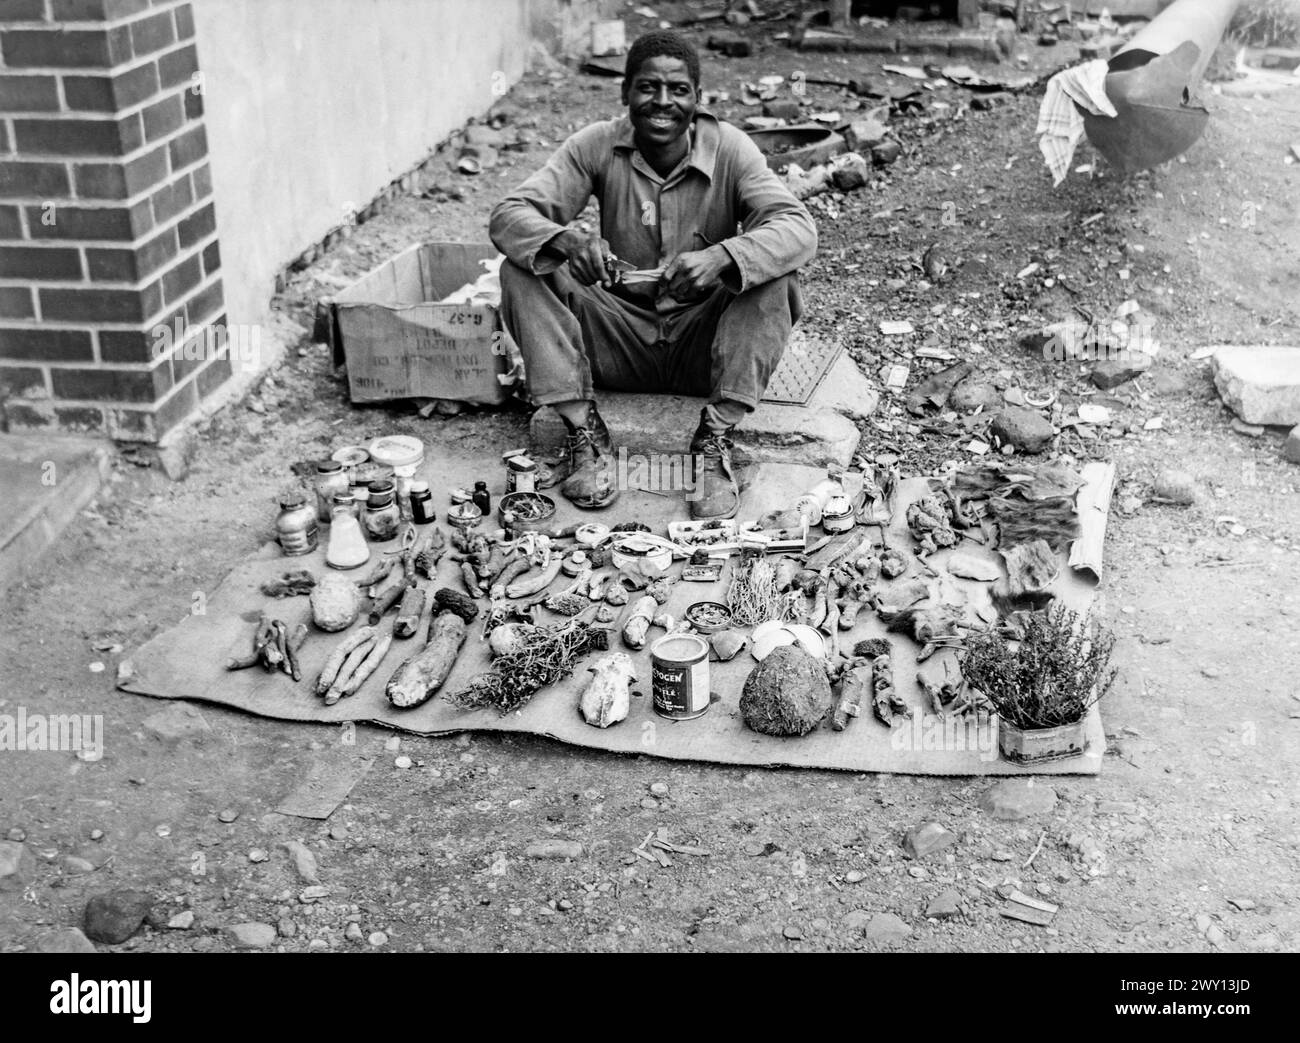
pixel 1187 841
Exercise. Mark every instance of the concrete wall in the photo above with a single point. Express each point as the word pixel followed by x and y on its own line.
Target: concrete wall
pixel 313 106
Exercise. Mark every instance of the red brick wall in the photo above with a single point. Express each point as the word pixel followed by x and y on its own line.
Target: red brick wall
pixel 107 228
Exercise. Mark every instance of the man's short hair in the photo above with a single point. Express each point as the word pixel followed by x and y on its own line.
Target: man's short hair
pixel 662 43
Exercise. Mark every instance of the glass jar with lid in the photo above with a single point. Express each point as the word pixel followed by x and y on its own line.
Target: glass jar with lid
pixel 330 480
pixel 382 519
pixel 296 526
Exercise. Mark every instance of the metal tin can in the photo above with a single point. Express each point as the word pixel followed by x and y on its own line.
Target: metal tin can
pixel 521 474
pixel 679 676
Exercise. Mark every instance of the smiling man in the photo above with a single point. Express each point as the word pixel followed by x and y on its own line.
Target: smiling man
pixel 689 287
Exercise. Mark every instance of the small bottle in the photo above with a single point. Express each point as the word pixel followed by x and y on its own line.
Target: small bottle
pixel 382 518
pixel 482 498
pixel 812 503
pixel 421 502
pixel 347 547
pixel 296 525
pixel 330 479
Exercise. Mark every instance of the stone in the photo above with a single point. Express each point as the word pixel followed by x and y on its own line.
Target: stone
pixel 1260 384
pixel 926 839
pixel 1215 936
pixel 659 789
pixel 286 928
pixel 303 861
pixel 1111 373
pixel 849 172
pixel 865 134
pixel 854 876
pixel 116 915
pixel 856 920
pixel 1291 450
pixel 1249 430
pixel 377 938
pixel 353 932
pixel 177 723
pixel 251 935
pixel 886 928
pixel 886 152
pixel 970 395
pixel 554 848
pixel 792 933
pixel 1016 799
pixel 182 921
pixel 314 893
pixel 77 866
pixel 65 940
pixel 945 906
pixel 17 865
pixel 1162 382
pixel 1026 429
pixel 783 109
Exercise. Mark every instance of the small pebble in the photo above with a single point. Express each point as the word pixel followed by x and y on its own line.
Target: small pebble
pixel 854 876
pixel 338 832
pixel 96 834
pixel 227 815
pixel 792 933
pixel 564 905
pixel 164 830
pixel 353 933
pixel 17 834
pixel 402 762
pixel 378 938
pixel 649 803
pixel 258 855
pixel 659 789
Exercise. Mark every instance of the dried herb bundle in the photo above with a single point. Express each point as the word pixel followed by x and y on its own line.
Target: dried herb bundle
pixel 544 655
pixel 754 596
pixel 1049 678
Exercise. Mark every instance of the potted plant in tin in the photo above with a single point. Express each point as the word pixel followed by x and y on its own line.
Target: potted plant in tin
pixel 1042 682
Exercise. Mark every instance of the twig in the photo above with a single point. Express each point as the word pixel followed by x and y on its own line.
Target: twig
pixel 1037 849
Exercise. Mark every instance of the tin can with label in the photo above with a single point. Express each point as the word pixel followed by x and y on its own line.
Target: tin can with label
pixel 679 676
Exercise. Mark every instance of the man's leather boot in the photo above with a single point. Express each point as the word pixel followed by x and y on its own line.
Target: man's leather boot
pixel 587 466
pixel 716 494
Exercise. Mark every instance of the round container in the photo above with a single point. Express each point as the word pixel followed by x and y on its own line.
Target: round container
pixel 400 452
pixel 697 611
pixel 510 519
pixel 837 516
pixel 381 519
pixel 351 457
pixel 464 516
pixel 366 473
pixel 421 499
pixel 296 525
pixel 679 676
pixel 635 554
pixel 330 480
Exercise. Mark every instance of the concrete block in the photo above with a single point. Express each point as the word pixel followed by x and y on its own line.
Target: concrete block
pixel 1260 383
pixel 47 481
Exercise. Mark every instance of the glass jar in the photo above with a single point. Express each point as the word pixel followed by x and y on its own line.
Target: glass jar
pixel 296 525
pixel 330 480
pixel 382 519
pixel 422 511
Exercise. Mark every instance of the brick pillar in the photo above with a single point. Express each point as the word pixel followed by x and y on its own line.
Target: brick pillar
pixel 108 243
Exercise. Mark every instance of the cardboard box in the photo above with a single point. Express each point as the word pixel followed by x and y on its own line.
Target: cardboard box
pixel 398 344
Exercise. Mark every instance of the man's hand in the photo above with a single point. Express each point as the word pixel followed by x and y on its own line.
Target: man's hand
pixel 696 272
pixel 586 255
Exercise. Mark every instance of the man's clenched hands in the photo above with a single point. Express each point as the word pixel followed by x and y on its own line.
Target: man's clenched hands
pixel 696 272
pixel 586 255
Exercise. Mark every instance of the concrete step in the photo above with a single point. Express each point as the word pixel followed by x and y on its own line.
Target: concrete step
pixel 823 433
pixel 45 481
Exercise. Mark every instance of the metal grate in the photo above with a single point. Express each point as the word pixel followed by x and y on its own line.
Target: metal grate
pixel 802 368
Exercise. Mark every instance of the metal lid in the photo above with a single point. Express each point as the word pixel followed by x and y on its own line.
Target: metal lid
pixel 397 450
pixel 328 466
